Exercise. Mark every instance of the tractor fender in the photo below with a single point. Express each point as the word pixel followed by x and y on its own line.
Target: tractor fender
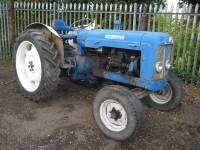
pixel 55 37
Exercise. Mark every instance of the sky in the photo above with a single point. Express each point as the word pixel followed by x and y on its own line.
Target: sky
pixel 170 2
pixel 174 2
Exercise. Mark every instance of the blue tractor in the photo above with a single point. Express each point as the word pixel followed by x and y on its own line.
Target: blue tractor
pixel 132 66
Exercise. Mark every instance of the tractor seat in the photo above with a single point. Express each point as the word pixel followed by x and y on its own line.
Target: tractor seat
pixel 60 25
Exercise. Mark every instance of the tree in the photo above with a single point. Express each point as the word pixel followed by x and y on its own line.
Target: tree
pixel 102 1
pixel 11 20
pixel 193 2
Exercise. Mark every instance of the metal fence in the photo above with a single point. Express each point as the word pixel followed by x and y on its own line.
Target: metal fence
pixel 4 47
pixel 183 24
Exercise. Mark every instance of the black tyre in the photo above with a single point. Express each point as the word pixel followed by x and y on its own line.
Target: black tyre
pixel 36 64
pixel 170 97
pixel 117 112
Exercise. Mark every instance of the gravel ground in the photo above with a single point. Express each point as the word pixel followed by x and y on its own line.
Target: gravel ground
pixel 65 121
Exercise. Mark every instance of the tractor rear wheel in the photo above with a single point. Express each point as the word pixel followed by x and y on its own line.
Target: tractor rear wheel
pixel 36 64
pixel 117 112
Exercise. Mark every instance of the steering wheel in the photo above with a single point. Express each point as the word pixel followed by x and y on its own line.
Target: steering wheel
pixel 82 26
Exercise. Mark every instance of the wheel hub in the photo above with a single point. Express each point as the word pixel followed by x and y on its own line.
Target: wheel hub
pixel 113 115
pixel 28 66
pixel 163 96
pixel 31 66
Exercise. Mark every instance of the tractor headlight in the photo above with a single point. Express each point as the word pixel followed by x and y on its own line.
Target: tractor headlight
pixel 160 58
pixel 159 64
pixel 163 60
pixel 171 39
pixel 169 58
pixel 159 67
pixel 168 64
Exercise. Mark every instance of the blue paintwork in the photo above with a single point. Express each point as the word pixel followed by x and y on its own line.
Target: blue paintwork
pixel 146 42
pixel 153 85
pixel 60 25
pixel 96 38
pixel 117 24
pixel 149 45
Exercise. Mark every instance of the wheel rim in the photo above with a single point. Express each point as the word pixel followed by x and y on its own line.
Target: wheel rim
pixel 164 96
pixel 28 66
pixel 113 115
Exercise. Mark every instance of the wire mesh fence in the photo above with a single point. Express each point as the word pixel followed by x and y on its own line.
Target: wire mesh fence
pixel 182 23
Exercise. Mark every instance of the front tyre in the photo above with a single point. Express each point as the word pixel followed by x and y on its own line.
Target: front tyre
pixel 170 97
pixel 36 64
pixel 117 112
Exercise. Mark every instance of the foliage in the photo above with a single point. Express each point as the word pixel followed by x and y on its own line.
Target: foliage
pixel 193 2
pixel 102 1
pixel 185 47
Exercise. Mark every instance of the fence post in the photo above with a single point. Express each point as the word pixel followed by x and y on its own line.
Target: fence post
pixel 11 27
pixel 129 20
pixel 54 11
pixel 149 18
pixel 192 38
pixel 144 19
pixel 185 46
pixel 134 16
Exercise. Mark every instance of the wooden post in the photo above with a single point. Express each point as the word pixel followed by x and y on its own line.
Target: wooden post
pixel 11 27
pixel 143 20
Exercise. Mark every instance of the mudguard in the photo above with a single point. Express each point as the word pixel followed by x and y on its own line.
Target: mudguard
pixel 54 36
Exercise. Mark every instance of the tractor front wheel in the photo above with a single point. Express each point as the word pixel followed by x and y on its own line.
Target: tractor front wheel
pixel 118 112
pixel 170 97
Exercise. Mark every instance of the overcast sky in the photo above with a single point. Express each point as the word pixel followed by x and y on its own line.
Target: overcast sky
pixel 170 2
pixel 174 2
